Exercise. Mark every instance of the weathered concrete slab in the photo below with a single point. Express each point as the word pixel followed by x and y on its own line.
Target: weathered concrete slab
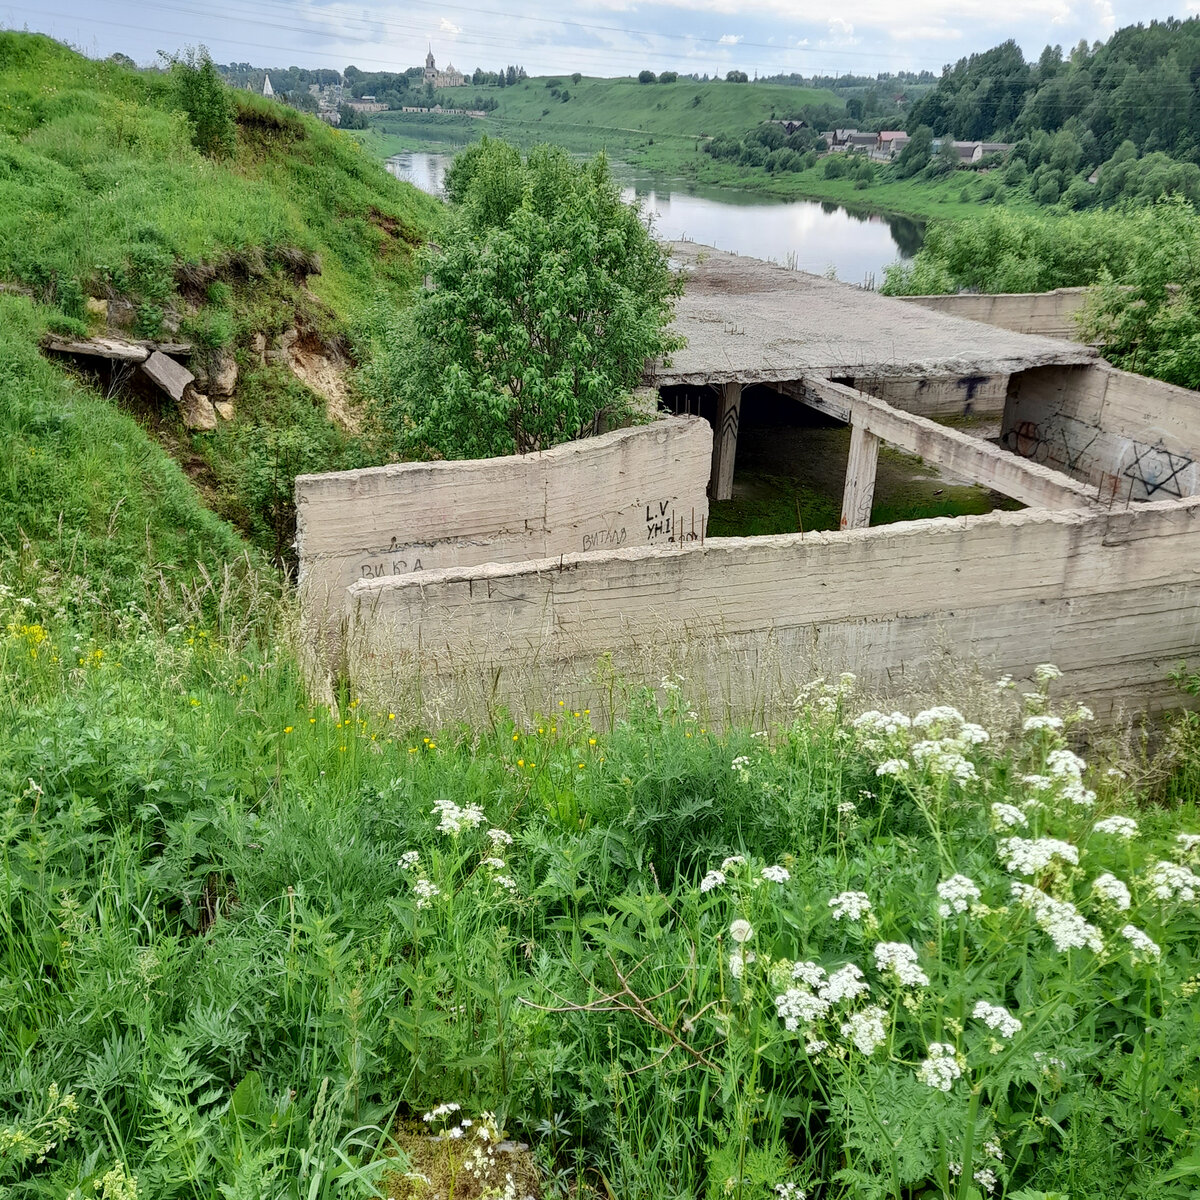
pixel 116 349
pixel 750 321
pixel 168 375
pixel 642 486
pixel 1112 598
pixel 1049 314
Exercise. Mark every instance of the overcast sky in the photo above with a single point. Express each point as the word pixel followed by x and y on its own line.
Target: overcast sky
pixel 597 37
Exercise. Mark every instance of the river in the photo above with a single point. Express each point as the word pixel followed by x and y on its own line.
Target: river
pixel 815 236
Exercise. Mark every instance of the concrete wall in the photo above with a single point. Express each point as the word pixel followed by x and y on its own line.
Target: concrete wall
pixel 969 395
pixel 1113 598
pixel 1130 437
pixel 633 487
pixel 1051 314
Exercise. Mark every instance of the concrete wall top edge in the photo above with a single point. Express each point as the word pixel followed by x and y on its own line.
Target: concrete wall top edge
pixel 600 442
pixel 934 526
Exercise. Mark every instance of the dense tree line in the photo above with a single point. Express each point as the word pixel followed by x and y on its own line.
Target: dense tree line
pixel 1141 86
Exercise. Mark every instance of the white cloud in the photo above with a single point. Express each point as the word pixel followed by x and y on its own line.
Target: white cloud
pixel 729 39
pixel 448 27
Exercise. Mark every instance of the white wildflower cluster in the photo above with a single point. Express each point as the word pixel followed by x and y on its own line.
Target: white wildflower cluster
pixel 825 696
pixel 798 1005
pixel 901 959
pixel 1140 943
pixel 740 764
pixel 453 820
pixel 941 1068
pixel 875 725
pixel 1187 843
pixel 987 1179
pixel 425 892
pixel 866 1029
pixel 1170 881
pixel 1028 856
pixel 442 1110
pixel 499 873
pixel 1038 783
pixel 776 874
pixel 846 983
pixel 848 809
pixel 851 905
pixel 1067 768
pixel 790 1191
pixel 714 879
pixel 816 992
pixel 944 758
pixel 1112 890
pixel 958 894
pixel 1045 673
pixel 734 860
pixel 1008 816
pixel 996 1017
pixel 1041 722
pixel 941 716
pixel 739 959
pixel 892 766
pixel 1122 827
pixel 1059 920
pixel 498 838
pixel 409 860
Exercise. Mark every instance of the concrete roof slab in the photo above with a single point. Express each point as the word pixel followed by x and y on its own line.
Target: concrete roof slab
pixel 751 321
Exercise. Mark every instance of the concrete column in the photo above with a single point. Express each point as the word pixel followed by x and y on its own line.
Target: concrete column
pixel 725 433
pixel 860 479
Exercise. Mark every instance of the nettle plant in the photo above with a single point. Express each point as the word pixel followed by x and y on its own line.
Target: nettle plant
pixel 938 1028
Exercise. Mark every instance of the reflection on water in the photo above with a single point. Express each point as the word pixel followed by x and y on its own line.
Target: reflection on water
pixel 806 234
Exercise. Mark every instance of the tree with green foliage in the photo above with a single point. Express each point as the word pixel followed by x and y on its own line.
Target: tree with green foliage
pixel 917 152
pixel 202 94
pixel 646 77
pixel 736 77
pixel 668 77
pixel 547 298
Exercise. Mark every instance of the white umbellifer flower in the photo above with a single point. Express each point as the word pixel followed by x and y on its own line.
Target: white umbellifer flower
pixel 1059 919
pixel 1005 683
pixel 1123 827
pixel 734 860
pixel 987 1179
pixel 997 1017
pixel 739 959
pixel 790 1191
pixel 505 881
pixel 1045 672
pixel 893 766
pixel 808 972
pixel 1039 783
pixel 1140 942
pixel 741 763
pixel 941 1068
pixel 714 879
pixel 1027 856
pixel 958 894
pixel 940 714
pixel 1187 842
pixel 799 1004
pixel 1065 764
pixel 973 735
pixel 1083 713
pixel 1008 816
pixel 776 874
pixel 944 758
pixel 1079 795
pixel 425 891
pixel 865 1029
pixel 499 838
pixel 496 864
pixel 1109 887
pixel 454 819
pixel 442 1110
pixel 846 983
pixel 1169 881
pixel 992 1149
pixel 883 724
pixel 814 1046
pixel 759 734
pixel 1036 724
pixel 409 859
pixel 848 808
pixel 853 905
pixel 741 931
pixel 901 960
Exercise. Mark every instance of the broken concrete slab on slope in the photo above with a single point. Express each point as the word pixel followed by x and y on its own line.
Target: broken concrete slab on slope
pixel 195 409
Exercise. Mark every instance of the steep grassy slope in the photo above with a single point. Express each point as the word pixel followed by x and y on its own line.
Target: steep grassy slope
pixel 111 219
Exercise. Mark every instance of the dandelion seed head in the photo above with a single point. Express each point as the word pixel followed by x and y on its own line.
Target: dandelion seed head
pixel 741 931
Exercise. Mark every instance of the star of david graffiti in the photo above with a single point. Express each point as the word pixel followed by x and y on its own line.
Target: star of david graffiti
pixel 1157 469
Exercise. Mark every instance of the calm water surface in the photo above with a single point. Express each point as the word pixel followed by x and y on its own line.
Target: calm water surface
pixel 807 234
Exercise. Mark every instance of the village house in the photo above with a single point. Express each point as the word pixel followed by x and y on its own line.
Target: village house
pixel 889 143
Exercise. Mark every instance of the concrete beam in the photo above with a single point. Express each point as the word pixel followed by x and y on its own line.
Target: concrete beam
pixel 962 455
pixel 725 435
pixel 859 492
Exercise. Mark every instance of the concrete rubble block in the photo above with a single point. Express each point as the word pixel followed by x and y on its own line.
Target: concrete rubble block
pixel 225 409
pixel 197 411
pixel 169 375
pixel 115 349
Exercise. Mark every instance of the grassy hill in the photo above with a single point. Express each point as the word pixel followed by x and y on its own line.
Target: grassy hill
pixel 618 115
pixel 112 221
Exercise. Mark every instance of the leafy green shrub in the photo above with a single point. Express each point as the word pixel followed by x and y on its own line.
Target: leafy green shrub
pixel 202 94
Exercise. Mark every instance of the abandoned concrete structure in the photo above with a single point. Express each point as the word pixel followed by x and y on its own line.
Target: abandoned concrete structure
pixel 1100 573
